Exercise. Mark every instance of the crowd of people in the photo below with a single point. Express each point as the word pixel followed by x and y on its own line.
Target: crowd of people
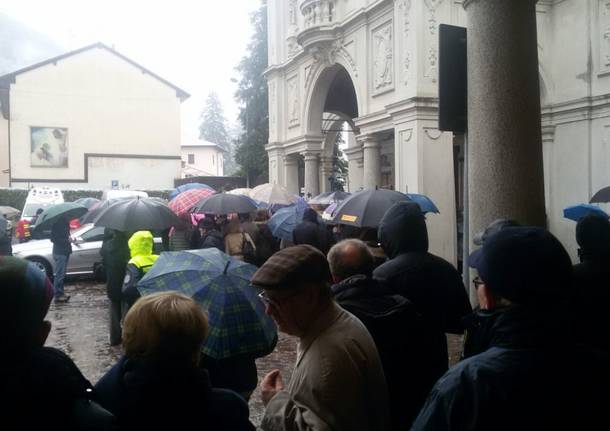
pixel 370 316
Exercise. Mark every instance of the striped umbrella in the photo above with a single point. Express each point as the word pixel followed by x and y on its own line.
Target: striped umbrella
pixel 185 201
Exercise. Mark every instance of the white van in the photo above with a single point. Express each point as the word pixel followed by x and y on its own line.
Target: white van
pixel 40 197
pixel 120 194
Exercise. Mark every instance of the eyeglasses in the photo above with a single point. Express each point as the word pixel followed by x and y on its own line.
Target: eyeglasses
pixel 276 301
pixel 477 282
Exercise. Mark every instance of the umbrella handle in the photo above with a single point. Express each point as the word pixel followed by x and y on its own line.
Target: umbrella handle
pixel 226 268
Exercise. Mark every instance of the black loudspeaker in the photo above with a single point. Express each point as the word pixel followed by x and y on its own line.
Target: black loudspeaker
pixel 452 80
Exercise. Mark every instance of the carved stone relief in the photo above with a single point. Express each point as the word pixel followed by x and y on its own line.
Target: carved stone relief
pixel 604 37
pixel 293 101
pixel 405 6
pixel 431 69
pixel 326 55
pixel 272 108
pixel 383 64
pixel 293 29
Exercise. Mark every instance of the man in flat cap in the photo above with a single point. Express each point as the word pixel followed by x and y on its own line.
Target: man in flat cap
pixel 338 380
pixel 531 374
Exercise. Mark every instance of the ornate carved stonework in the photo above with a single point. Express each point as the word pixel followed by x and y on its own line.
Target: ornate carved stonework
pixel 272 108
pixel 604 37
pixel 432 67
pixel 431 70
pixel 293 101
pixel 383 63
pixel 293 29
pixel 405 6
pixel 325 55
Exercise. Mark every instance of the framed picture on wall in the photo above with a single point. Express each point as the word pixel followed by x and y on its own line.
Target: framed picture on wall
pixel 49 147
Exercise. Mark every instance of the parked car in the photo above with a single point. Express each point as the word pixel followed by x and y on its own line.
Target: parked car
pixel 85 258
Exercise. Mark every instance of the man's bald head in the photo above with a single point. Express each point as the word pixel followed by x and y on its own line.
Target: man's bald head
pixel 350 257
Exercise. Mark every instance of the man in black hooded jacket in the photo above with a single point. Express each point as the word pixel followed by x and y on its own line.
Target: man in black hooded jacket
pixel 431 283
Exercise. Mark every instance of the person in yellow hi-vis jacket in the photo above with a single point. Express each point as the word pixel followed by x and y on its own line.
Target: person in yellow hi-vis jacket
pixel 142 259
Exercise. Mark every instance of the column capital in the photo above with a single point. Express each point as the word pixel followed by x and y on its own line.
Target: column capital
pixel 311 156
pixel 368 141
pixel 290 160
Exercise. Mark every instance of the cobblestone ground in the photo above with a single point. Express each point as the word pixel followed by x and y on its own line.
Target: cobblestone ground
pixel 80 328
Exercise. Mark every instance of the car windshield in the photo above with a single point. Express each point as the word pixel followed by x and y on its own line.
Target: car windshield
pixel 29 210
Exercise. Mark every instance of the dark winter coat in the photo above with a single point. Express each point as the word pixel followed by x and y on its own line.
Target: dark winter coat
pixel 410 364
pixel 43 389
pixel 115 255
pixel 213 239
pixel 266 244
pixel 311 231
pixel 530 377
pixel 6 247
pixel 432 284
pixel 148 395
pixel 60 237
pixel 591 302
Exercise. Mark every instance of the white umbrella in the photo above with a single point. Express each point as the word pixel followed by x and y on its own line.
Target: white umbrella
pixel 9 211
pixel 243 191
pixel 272 194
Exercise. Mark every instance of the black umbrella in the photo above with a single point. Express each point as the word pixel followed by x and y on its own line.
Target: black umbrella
pixel 224 203
pixel 602 196
pixel 97 209
pixel 50 215
pixel 87 202
pixel 137 214
pixel 367 207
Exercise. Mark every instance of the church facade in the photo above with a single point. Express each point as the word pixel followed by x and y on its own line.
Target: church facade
pixel 373 65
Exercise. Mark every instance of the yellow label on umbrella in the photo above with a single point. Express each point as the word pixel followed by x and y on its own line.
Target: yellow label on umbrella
pixel 350 218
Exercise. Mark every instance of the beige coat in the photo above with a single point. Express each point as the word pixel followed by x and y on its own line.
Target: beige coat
pixel 338 382
pixel 234 242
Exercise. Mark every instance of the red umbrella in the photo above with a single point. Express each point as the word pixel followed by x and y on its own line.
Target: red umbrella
pixel 183 203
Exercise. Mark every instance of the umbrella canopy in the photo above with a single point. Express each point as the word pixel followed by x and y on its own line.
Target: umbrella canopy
pixel 602 196
pixel 328 198
pixel 223 203
pixel 329 212
pixel 576 212
pixel 87 202
pixel 185 201
pixel 221 285
pixel 283 222
pixel 99 208
pixel 243 191
pixel 367 207
pixel 188 186
pixel 50 215
pixel 424 202
pixel 3 225
pixel 129 215
pixel 273 194
pixel 9 212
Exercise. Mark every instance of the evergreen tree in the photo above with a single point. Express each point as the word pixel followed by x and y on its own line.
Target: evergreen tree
pixel 337 181
pixel 213 128
pixel 250 153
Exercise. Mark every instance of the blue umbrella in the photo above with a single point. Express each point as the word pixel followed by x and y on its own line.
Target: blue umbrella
pixel 576 212
pixel 187 186
pixel 424 202
pixel 221 285
pixel 283 222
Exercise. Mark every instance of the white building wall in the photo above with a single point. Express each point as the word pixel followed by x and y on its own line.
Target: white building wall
pixel 208 161
pixel 109 107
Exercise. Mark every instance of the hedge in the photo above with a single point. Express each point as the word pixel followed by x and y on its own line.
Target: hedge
pixel 16 197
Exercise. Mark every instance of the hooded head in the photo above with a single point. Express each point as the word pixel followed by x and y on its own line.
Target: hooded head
pixel 310 215
pixel 403 229
pixel 141 243
pixel 593 236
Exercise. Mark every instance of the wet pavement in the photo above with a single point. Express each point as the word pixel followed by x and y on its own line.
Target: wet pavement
pixel 80 328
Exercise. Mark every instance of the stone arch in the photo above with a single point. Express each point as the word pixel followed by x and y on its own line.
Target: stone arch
pixel 335 77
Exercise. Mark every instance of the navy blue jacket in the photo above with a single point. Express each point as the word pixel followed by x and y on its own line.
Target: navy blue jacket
pixel 148 395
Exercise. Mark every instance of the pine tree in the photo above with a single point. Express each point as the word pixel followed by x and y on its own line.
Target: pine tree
pixel 213 128
pixel 250 153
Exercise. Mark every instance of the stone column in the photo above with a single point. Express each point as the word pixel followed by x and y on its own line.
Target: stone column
pixel 354 168
pixel 291 174
pixel 372 166
pixel 504 139
pixel 311 174
pixel 326 170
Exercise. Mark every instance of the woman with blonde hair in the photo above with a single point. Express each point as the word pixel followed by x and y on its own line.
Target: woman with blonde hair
pixel 158 382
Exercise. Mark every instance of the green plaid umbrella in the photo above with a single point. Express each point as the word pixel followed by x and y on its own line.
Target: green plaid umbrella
pixel 53 213
pixel 221 284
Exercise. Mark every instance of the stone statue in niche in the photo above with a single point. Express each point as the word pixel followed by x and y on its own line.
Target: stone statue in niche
pixel 382 62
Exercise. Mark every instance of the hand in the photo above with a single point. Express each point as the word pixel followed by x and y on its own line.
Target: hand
pixel 271 384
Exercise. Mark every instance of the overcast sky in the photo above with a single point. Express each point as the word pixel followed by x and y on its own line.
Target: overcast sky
pixel 193 44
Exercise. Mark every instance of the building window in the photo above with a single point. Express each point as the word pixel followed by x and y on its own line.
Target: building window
pixel 191 159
